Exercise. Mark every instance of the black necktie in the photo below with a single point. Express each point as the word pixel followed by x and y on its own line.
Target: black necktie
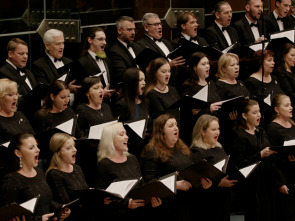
pixel 57 59
pixel 129 45
pixel 159 40
pixel 193 38
pixel 97 58
pixel 224 28
pixel 278 18
pixel 255 25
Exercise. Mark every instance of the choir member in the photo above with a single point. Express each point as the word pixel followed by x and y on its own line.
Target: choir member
pixel 205 145
pixel 160 94
pixel 285 70
pixel 166 153
pixel 63 176
pixel 220 34
pixel 92 110
pixel 116 164
pixel 250 146
pixel 27 181
pixel 199 68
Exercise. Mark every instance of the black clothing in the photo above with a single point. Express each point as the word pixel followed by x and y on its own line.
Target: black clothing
pixel 271 24
pixel 160 102
pixel 287 82
pixel 44 70
pixel 87 116
pixel 227 91
pixel 246 36
pixel 188 120
pixel 201 41
pixel 10 126
pixel 18 188
pixel 215 37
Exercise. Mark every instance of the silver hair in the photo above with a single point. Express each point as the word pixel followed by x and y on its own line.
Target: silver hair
pixel 147 16
pixel 120 21
pixel 50 34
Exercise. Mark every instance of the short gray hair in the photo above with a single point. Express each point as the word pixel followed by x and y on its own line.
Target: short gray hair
pixel 50 34
pixel 120 21
pixel 147 16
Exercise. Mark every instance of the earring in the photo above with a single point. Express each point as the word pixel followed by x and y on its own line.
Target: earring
pixel 20 162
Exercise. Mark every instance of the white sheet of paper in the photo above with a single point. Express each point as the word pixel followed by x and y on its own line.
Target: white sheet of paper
pixel 138 127
pixel 66 126
pixel 96 130
pixel 170 182
pixel 228 48
pixel 6 144
pixel 220 164
pixel 30 204
pixel 267 100
pixel 257 47
pixel 63 78
pixel 202 94
pixel 247 170
pixel 288 34
pixel 289 143
pixel 121 187
pixel 229 99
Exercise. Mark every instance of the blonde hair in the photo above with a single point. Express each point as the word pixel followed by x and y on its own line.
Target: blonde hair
pixel 223 63
pixel 106 147
pixel 201 125
pixel 55 144
pixel 5 86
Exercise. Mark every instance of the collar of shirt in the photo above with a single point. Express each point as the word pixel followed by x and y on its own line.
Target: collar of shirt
pixel 50 57
pixel 124 43
pixel 9 62
pixel 92 54
pixel 219 25
pixel 275 14
pixel 185 36
pixel 250 22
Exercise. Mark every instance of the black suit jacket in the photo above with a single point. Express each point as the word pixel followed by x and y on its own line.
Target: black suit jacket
pixel 200 40
pixel 148 42
pixel 121 59
pixel 45 71
pixel 271 24
pixel 8 71
pixel 87 66
pixel 215 37
pixel 293 20
pixel 246 36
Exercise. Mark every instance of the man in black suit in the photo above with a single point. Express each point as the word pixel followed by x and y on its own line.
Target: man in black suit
pixel 15 66
pixel 292 15
pixel 15 70
pixel 278 20
pixel 123 52
pixel 249 28
pixel 46 68
pixel 220 34
pixel 188 26
pixel 94 62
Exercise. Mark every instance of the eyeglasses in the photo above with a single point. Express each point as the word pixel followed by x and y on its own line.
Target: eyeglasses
pixel 156 24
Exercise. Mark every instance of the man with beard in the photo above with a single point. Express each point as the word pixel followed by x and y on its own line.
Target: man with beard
pixel 278 20
pixel 220 35
pixel 123 52
pixel 249 28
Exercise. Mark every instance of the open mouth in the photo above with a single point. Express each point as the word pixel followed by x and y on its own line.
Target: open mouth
pixel 166 79
pixel 36 158
pixel 74 156
pixel 100 96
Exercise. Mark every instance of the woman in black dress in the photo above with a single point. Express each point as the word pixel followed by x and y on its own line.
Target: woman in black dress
pixel 26 180
pixel 205 145
pixel 12 122
pixel 199 68
pixel 166 153
pixel 271 86
pixel 228 86
pixel 92 110
pixel 251 146
pixel 64 176
pixel 159 93
pixel 285 70
pixel 280 130
pixel 116 164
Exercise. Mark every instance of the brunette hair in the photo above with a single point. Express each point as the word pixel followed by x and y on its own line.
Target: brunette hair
pixel 87 83
pixel 277 102
pixel 244 109
pixel 157 143
pixel 257 56
pixel 280 61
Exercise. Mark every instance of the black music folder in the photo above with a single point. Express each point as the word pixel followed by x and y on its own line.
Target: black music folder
pixel 162 187
pixel 146 56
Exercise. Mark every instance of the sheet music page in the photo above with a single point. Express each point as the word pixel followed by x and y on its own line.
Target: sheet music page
pixel 229 99
pixel 267 100
pixel 247 170
pixel 30 204
pixel 66 126
pixel 169 182
pixel 202 94
pixel 220 164
pixel 257 47
pixel 289 143
pixel 121 187
pixel 137 127
pixel 228 48
pixel 96 130
pixel 288 34
pixel 63 78
pixel 6 144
